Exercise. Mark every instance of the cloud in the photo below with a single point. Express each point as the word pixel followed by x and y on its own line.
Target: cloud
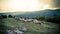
pixel 4 4
pixel 55 4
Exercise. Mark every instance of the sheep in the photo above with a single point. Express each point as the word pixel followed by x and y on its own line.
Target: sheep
pixel 26 20
pixel 22 19
pixel 29 20
pixel 37 22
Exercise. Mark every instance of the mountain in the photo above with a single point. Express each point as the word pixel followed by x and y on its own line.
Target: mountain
pixel 47 12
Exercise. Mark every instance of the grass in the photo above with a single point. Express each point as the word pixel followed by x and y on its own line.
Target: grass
pixel 32 28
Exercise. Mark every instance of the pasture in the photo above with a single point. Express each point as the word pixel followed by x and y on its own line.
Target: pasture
pixel 46 28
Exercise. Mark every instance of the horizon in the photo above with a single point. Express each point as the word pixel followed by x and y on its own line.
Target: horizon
pixel 27 11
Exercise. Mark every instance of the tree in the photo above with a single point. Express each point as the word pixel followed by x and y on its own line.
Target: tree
pixel 10 16
pixel 3 16
pixel 55 18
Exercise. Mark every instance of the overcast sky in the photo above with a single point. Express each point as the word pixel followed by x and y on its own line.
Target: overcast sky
pixel 28 5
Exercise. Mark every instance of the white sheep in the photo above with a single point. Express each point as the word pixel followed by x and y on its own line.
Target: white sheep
pixel 29 20
pixel 37 22
pixel 26 20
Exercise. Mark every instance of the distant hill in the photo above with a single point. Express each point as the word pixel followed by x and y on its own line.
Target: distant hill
pixel 46 12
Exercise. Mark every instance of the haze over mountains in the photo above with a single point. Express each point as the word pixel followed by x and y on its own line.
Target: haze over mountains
pixel 46 12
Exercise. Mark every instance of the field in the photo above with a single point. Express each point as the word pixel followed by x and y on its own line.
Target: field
pixel 12 24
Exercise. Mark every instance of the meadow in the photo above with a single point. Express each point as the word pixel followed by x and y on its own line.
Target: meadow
pixel 12 24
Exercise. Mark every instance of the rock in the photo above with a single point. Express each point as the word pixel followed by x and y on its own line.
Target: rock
pixel 18 32
pixel 9 32
pixel 23 28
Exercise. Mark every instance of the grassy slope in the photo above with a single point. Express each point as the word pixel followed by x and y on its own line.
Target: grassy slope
pixel 32 28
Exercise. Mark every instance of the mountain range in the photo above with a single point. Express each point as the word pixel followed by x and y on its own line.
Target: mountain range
pixel 47 12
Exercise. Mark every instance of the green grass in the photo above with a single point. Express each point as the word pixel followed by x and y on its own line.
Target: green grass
pixel 32 28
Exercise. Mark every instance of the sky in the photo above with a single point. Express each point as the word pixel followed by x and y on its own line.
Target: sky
pixel 28 5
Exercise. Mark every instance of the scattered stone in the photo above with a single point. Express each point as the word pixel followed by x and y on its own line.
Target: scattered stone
pixel 18 32
pixel 22 28
pixel 9 32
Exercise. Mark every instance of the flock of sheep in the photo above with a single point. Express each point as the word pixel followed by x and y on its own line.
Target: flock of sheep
pixel 30 20
pixel 22 28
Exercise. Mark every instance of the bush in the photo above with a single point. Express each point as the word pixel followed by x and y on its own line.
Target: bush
pixel 40 18
pixel 3 16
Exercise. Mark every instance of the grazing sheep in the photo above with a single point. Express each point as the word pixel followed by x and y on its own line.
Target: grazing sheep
pixel 22 19
pixel 29 20
pixel 37 22
pixel 26 20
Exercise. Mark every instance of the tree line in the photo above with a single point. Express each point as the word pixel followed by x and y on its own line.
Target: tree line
pixel 55 18
pixel 6 16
